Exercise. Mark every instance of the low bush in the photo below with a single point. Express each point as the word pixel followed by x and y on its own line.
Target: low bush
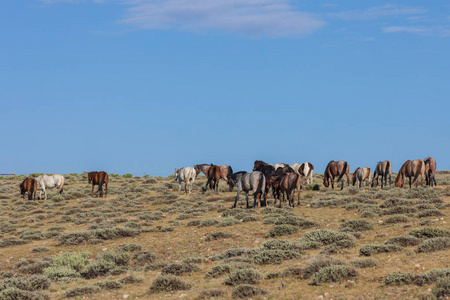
pixel 82 291
pixel 336 273
pixel 434 244
pixel 326 236
pixel 442 288
pixel 284 229
pixel 368 250
pixel 179 269
pixel 364 263
pixel 217 235
pixel 356 225
pixel 404 241
pixel 109 285
pixel 398 279
pixel 395 219
pixel 168 283
pixel 319 262
pixel 243 276
pixel 430 213
pixel 266 257
pixel 246 291
pixel 430 232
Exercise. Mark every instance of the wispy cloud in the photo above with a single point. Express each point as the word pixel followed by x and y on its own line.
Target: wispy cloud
pixel 431 31
pixel 378 12
pixel 258 18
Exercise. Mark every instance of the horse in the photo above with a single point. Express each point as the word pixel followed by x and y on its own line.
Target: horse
pixel 430 170
pixel 361 175
pixel 306 170
pixel 290 182
pixel 201 168
pixel 383 169
pixel 258 163
pixel 267 170
pixel 214 175
pixel 187 175
pixel 410 169
pixel 246 182
pixel 281 165
pixel 336 168
pixel 225 173
pixel 98 178
pixel 29 185
pixel 50 181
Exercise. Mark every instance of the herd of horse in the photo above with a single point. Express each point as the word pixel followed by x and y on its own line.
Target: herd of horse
pixel 284 180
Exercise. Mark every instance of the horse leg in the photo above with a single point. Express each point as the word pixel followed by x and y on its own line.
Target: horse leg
pixel 92 192
pixel 106 189
pixel 246 198
pixel 237 198
pixel 179 188
pixel 185 188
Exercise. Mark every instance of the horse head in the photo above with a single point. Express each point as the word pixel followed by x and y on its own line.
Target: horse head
pixel 325 182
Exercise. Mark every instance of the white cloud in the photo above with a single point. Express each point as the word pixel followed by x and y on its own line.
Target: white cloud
pixel 259 18
pixel 378 12
pixel 431 31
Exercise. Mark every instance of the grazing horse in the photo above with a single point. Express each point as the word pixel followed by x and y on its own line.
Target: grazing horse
pixel 225 173
pixel 29 185
pixel 214 175
pixel 410 169
pixel 246 182
pixel 290 182
pixel 383 169
pixel 336 168
pixel 46 181
pixel 430 170
pixel 187 175
pixel 201 168
pixel 98 178
pixel 361 175
pixel 267 170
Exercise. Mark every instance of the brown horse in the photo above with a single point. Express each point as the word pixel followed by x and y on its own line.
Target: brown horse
pixel 336 168
pixel 289 183
pixel 410 169
pixel 430 170
pixel 98 178
pixel 214 175
pixel 383 169
pixel 360 176
pixel 257 164
pixel 29 185
pixel 225 173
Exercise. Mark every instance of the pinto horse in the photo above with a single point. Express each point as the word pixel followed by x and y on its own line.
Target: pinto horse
pixel 383 169
pixel 29 185
pixel 336 168
pixel 214 175
pixel 306 170
pixel 98 178
pixel 430 170
pixel 361 175
pixel 410 169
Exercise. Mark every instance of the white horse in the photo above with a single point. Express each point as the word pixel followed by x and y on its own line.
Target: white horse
pixel 46 181
pixel 187 175
pixel 305 169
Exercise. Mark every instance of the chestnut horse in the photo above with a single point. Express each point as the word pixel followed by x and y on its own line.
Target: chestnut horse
pixel 290 182
pixel 225 173
pixel 430 170
pixel 29 185
pixel 98 178
pixel 336 168
pixel 410 169
pixel 214 175
pixel 383 169
pixel 361 176
pixel 258 163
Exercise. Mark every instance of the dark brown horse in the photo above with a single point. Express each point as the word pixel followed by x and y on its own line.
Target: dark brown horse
pixel 430 170
pixel 289 183
pixel 383 169
pixel 214 175
pixel 29 185
pixel 336 168
pixel 98 178
pixel 410 169
pixel 258 163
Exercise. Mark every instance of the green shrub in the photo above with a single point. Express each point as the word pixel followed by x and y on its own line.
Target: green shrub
pixel 231 253
pixel 434 244
pixel 364 263
pixel 109 285
pixel 227 222
pixel 179 269
pixel 266 257
pixel 129 247
pixel 61 274
pixel 208 222
pixel 73 260
pixel 404 241
pixel 211 294
pixel 368 250
pixel 13 293
pixel 144 257
pixel 395 219
pixel 442 288
pixel 319 262
pixel 12 242
pixel 219 270
pixel 356 225
pixel 336 273
pixel 398 279
pixel 430 213
pixel 401 209
pixel 295 221
pixel 430 232
pixel 278 244
pixel 284 229
pixel 246 291
pixel 217 235
pixel 243 276
pixel 155 266
pixel 168 283
pixel 130 279
pixel 326 236
pixel 97 268
pixel 82 291
pixel 39 249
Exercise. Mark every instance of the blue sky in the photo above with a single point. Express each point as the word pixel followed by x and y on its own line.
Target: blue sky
pixel 144 86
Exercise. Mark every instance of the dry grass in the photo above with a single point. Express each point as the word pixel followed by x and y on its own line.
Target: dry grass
pixel 146 242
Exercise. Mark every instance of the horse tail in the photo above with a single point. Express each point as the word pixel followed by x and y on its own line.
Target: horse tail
pixel 388 166
pixel 262 187
pixel 102 181
pixel 60 187
pixel 30 194
pixel 344 171
pixel 211 176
